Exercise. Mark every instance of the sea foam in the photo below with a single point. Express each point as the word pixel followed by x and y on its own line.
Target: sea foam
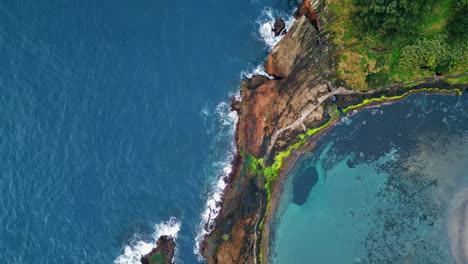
pixel 225 121
pixel 265 23
pixel 138 247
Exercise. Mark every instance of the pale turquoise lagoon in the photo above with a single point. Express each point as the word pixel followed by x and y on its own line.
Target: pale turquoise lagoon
pixel 387 178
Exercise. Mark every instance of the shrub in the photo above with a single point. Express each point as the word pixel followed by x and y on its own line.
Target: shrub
pixel 435 54
pixel 394 18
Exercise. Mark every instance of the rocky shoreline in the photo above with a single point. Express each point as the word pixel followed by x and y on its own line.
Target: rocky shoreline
pixel 281 118
pixel 163 253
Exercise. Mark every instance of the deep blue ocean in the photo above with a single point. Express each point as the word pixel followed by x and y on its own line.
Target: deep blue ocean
pixel 115 128
pixel 114 121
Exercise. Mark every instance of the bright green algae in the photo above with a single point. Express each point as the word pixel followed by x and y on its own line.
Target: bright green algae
pixel 385 98
pixel 271 172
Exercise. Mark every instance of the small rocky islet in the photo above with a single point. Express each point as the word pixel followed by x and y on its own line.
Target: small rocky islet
pixel 163 253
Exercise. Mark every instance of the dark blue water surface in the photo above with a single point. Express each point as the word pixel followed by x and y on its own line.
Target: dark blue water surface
pixel 110 117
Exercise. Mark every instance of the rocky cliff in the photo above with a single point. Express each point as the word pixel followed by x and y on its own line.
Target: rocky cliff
pixel 272 112
pixel 305 93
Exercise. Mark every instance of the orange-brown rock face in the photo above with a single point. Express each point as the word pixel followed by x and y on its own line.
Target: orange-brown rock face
pixel 308 11
pixel 272 114
pixel 259 106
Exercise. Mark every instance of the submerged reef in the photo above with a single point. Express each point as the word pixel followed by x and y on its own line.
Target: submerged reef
pixel 282 117
pixel 457 226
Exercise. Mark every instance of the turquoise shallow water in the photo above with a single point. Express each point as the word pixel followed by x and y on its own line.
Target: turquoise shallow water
pixel 386 178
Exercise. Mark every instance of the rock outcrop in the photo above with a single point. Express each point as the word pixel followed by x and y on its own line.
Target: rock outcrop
pixel 308 11
pixel 162 254
pixel 279 27
pixel 253 82
pixel 291 49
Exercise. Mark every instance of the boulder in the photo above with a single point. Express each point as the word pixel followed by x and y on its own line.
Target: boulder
pixel 279 27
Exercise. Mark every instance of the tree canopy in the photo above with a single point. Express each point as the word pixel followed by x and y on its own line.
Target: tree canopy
pixel 391 17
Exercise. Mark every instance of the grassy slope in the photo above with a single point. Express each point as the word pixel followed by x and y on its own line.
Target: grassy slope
pixel 372 57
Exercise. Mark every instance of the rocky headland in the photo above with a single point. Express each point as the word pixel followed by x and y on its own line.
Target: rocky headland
pixel 279 119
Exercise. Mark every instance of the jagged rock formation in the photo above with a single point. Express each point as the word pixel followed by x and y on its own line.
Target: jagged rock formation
pixel 162 254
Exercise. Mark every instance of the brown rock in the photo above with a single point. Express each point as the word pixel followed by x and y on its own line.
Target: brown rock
pixel 253 125
pixel 270 67
pixel 279 27
pixel 308 11
pixel 235 105
pixel 162 254
pixel 283 57
pixel 254 82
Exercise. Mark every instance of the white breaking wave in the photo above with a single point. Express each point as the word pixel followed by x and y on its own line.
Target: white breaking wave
pixel 226 120
pixel 266 22
pixel 132 253
pixel 258 70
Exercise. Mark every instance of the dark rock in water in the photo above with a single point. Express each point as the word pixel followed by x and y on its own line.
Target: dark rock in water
pixel 303 184
pixel 162 254
pixel 254 82
pixel 350 163
pixel 279 27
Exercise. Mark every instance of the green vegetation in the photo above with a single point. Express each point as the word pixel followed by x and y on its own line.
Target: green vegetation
pixel 385 98
pixel 156 258
pixel 388 41
pixel 460 80
pixel 255 166
pixel 391 18
pixel 434 53
pixel 271 173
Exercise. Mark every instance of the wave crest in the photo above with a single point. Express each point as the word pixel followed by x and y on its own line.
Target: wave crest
pixel 225 121
pixel 266 22
pixel 138 247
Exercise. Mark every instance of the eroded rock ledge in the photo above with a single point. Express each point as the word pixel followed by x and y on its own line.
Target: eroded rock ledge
pixel 272 114
pixel 163 253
